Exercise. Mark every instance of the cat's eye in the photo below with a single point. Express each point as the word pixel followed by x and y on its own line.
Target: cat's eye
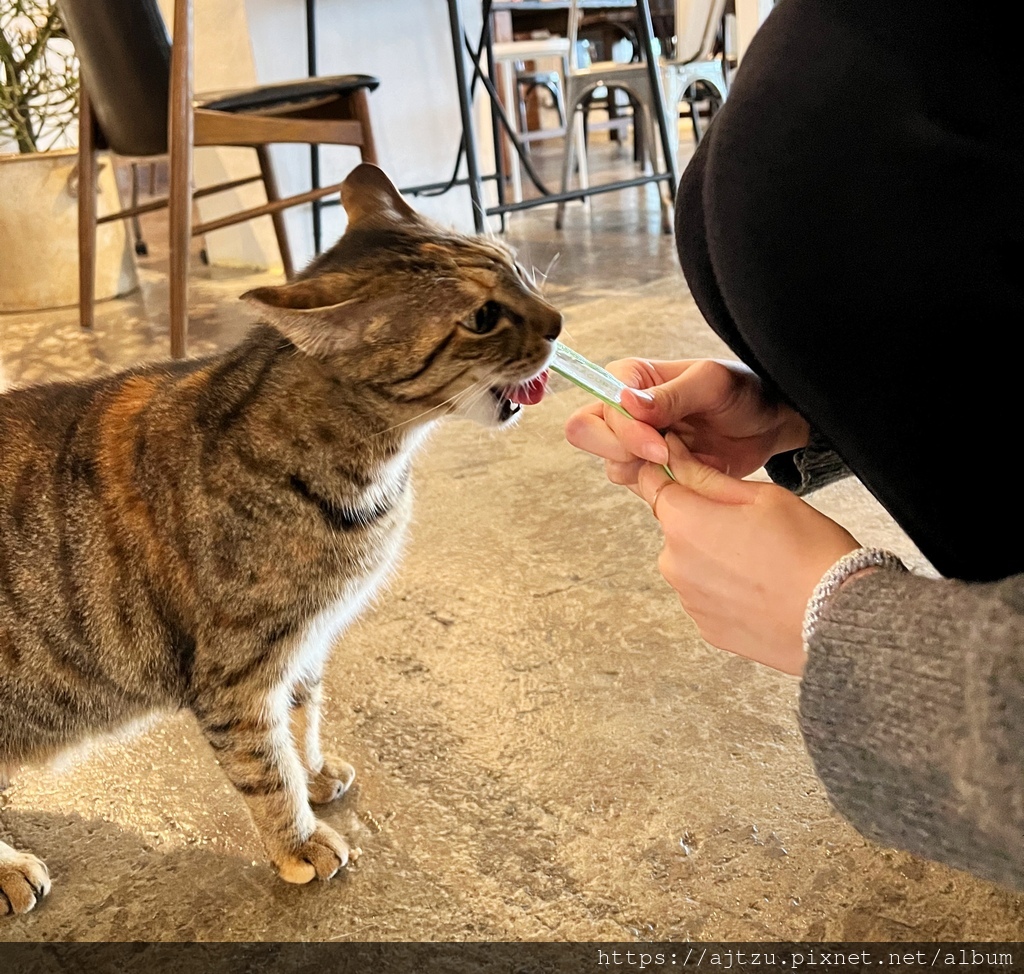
pixel 486 318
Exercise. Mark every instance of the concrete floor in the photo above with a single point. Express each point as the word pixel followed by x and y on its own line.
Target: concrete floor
pixel 546 750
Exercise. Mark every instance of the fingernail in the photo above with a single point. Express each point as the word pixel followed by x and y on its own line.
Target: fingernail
pixel 641 394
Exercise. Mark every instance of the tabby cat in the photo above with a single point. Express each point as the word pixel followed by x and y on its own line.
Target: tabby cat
pixel 198 534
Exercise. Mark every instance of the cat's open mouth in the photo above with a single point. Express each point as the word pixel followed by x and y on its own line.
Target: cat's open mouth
pixel 512 398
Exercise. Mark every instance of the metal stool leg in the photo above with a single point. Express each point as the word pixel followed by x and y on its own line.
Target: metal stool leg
pixel 567 168
pixel 649 150
pixel 140 245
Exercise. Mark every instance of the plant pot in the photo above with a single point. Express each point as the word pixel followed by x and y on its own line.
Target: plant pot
pixel 39 233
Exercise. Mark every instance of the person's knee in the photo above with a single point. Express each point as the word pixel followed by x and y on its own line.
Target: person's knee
pixel 807 187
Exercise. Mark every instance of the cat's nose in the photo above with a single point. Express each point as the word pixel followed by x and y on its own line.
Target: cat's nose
pixel 553 325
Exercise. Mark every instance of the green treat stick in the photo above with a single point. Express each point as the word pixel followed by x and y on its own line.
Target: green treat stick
pixel 597 381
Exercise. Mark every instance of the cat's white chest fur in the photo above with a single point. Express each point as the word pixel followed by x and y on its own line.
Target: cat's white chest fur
pixel 327 626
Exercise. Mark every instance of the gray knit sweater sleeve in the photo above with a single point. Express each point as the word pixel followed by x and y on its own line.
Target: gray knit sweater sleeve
pixel 912 708
pixel 804 470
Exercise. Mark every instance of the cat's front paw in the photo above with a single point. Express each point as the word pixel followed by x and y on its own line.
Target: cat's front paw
pixel 319 857
pixel 24 881
pixel 331 781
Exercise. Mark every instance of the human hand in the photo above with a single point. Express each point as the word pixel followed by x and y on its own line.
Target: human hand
pixel 744 557
pixel 719 409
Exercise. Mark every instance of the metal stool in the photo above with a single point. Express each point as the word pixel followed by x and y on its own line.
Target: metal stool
pixel 528 81
pixel 509 59
pixel 694 73
pixel 632 78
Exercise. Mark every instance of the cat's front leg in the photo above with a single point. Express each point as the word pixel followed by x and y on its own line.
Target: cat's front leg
pixel 329 777
pixel 24 880
pixel 259 756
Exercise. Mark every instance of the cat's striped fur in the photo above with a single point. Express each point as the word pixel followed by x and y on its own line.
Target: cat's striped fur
pixel 197 534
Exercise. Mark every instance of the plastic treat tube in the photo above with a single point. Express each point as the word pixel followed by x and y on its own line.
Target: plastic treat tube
pixel 597 381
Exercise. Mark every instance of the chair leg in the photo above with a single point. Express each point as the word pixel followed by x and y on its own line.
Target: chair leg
pixel 180 231
pixel 181 136
pixel 581 154
pixel 568 164
pixel 692 97
pixel 521 94
pixel 589 106
pixel 650 151
pixel 640 133
pixel 86 214
pixel 613 114
pixel 667 211
pixel 509 84
pixel 280 229
pixel 140 244
pixel 361 110
pixel 556 94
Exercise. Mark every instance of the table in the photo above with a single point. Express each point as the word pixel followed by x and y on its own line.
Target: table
pixel 468 71
pixel 529 15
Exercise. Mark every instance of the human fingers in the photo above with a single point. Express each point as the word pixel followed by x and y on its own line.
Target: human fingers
pixel 607 433
pixel 587 430
pixel 642 373
pixel 703 386
pixel 637 438
pixel 704 479
pixel 652 480
pixel 743 571
pixel 638 428
pixel 623 474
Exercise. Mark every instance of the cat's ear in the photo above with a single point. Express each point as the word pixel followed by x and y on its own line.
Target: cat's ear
pixel 310 316
pixel 371 199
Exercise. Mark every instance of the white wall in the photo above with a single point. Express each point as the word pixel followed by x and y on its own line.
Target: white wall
pixel 415 111
pixel 750 14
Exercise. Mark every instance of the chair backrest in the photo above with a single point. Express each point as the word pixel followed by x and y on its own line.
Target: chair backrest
pixel 697 24
pixel 124 53
pixel 575 19
pixel 531 50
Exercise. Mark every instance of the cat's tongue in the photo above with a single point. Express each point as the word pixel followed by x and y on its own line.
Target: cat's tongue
pixel 528 393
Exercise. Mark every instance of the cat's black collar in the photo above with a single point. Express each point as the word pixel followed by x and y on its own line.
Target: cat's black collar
pixel 340 517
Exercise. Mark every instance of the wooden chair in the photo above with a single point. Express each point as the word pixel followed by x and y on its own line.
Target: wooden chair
pixel 137 101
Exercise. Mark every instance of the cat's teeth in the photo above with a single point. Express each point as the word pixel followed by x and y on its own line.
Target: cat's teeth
pixel 507 409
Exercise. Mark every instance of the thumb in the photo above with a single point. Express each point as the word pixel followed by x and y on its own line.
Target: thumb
pixel 703 480
pixel 655 406
pixel 662 405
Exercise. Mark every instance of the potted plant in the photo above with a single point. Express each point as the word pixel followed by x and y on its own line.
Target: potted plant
pixel 38 169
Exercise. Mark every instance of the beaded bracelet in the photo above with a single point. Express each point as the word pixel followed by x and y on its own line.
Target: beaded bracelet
pixel 848 565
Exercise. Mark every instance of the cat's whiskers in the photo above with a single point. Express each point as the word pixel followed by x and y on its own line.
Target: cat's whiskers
pixel 555 258
pixel 426 412
pixel 481 388
pixel 469 396
pixel 473 395
pixel 464 397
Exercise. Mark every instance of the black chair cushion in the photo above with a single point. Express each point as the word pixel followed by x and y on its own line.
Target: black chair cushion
pixel 285 93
